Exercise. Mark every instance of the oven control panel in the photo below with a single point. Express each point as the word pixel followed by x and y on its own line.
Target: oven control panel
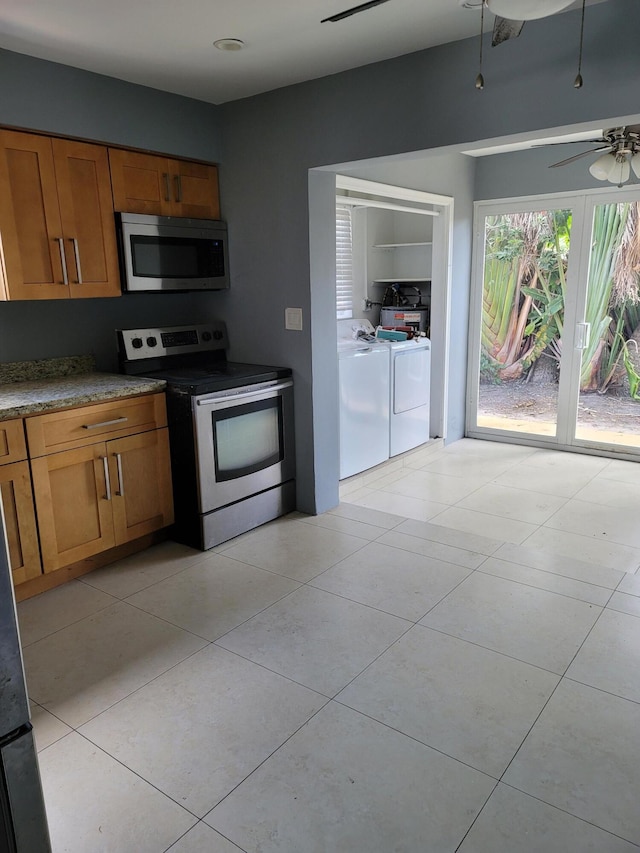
pixel 137 344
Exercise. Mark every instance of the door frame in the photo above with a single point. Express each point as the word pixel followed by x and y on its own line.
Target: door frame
pixel 582 204
pixel 441 272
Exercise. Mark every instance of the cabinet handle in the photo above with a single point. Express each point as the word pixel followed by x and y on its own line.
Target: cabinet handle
pixel 178 181
pixel 63 260
pixel 120 491
pixel 107 481
pixel 105 423
pixel 167 186
pixel 76 251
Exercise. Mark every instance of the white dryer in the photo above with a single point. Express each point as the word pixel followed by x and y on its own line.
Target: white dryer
pixel 410 380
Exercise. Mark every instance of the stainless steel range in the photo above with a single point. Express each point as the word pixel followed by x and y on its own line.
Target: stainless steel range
pixel 230 428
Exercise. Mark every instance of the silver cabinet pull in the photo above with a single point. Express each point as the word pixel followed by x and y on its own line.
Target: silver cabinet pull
pixel 178 181
pixel 167 186
pixel 76 251
pixel 107 481
pixel 63 260
pixel 105 423
pixel 120 491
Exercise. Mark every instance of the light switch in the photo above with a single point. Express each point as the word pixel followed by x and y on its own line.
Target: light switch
pixel 293 319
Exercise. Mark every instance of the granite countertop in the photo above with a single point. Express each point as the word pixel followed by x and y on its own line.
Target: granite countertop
pixel 28 388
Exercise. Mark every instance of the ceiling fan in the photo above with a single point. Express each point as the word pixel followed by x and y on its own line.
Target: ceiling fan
pixel 510 14
pixel 619 150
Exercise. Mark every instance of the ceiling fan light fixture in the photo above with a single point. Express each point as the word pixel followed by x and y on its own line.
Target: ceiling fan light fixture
pixel 601 167
pixel 620 171
pixel 526 10
pixel 635 164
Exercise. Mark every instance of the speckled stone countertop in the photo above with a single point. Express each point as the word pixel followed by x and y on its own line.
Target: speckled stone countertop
pixel 30 387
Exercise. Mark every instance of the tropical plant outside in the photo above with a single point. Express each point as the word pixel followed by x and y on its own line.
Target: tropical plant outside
pixel 524 295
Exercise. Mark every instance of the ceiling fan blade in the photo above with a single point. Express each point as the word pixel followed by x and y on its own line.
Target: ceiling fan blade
pixel 354 10
pixel 578 156
pixel 570 142
pixel 504 29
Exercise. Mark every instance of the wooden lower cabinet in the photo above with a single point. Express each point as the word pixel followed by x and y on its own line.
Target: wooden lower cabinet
pixel 74 515
pixel 142 501
pixel 20 522
pixel 93 498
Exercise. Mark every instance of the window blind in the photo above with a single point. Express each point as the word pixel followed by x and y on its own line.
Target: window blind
pixel 344 263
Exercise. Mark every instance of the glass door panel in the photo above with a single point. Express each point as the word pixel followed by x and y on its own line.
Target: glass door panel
pixel 609 395
pixel 522 320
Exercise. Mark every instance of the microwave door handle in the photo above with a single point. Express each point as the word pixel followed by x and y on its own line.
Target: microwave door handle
pixel 214 401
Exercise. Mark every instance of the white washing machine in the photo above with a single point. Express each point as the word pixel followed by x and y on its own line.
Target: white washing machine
pixel 363 379
pixel 410 380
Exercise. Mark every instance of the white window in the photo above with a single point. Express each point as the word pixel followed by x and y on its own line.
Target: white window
pixel 344 263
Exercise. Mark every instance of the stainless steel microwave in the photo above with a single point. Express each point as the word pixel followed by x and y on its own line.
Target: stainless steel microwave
pixel 171 253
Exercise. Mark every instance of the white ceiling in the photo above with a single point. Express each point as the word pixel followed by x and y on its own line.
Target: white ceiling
pixel 168 44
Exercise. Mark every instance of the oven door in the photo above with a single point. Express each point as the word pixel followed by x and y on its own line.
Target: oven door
pixel 244 442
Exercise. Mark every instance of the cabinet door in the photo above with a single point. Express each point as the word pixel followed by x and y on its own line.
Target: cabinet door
pixel 141 183
pixel 141 481
pixel 20 521
pixel 147 183
pixel 30 226
pixel 73 502
pixel 86 208
pixel 195 190
pixel 13 447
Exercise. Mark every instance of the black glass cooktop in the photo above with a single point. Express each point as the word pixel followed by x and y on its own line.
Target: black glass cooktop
pixel 217 376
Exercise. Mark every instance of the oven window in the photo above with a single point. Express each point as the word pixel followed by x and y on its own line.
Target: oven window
pixel 176 257
pixel 248 438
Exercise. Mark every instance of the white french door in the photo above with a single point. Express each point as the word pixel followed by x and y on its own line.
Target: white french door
pixel 553 353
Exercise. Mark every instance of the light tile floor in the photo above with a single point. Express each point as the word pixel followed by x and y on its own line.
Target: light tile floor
pixel 448 661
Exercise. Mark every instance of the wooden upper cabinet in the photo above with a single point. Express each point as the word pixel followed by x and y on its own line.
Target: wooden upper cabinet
pixel 56 219
pixel 86 208
pixel 147 183
pixel 30 224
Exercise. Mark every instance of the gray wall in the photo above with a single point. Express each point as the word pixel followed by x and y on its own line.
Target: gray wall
pixel 413 103
pixel 269 144
pixel 40 95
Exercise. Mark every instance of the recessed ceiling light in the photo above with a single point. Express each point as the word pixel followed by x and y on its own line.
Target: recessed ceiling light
pixel 229 44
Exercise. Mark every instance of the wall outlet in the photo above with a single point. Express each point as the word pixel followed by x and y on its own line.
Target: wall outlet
pixel 293 319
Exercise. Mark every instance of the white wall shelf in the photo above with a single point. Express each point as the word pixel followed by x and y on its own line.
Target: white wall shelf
pixel 402 245
pixel 399 280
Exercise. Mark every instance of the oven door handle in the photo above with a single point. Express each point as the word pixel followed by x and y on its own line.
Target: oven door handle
pixel 231 398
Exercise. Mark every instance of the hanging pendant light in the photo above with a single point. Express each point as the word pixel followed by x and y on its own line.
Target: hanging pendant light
pixel 480 78
pixel 527 10
pixel 577 83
